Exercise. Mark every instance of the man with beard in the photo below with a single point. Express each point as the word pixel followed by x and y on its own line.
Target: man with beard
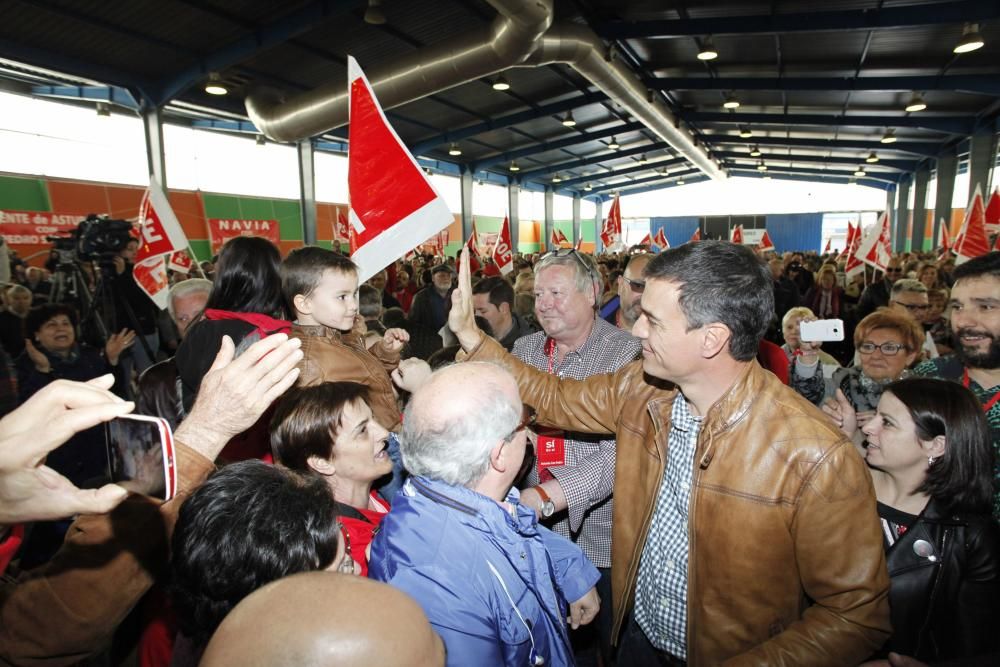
pixel 630 284
pixel 975 328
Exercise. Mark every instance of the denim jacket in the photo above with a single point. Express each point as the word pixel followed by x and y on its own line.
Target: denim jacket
pixel 494 584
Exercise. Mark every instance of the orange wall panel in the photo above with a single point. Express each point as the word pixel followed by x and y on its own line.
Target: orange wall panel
pixel 83 198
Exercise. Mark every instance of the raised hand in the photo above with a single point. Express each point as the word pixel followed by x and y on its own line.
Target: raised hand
pixel 393 340
pixel 462 318
pixel 37 357
pixel 118 343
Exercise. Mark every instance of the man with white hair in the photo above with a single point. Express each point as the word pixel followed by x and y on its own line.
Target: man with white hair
pixel 186 299
pixel 494 584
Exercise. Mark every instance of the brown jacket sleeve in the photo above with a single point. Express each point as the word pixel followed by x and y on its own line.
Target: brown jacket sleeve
pixel 69 608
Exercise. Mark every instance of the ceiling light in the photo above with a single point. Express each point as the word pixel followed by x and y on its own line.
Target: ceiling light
pixel 501 83
pixel 860 173
pixel 260 140
pixel 569 121
pixel 374 14
pixel 614 144
pixel 557 179
pixel 916 103
pixel 103 109
pixel 872 158
pixel 745 132
pixel 642 159
pixel 761 167
pixel 755 152
pixel 514 167
pixel 731 102
pixel 454 150
pixel 707 50
pixel 587 188
pixel 971 39
pixel 889 137
pixel 214 85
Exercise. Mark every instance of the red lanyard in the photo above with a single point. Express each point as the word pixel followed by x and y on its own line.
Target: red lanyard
pixel 550 352
pixel 988 404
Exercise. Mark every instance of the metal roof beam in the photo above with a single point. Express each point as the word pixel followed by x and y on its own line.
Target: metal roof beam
pixel 950 124
pixel 661 186
pixel 544 146
pixel 843 180
pixel 110 94
pixel 986 84
pixel 650 179
pixel 595 159
pixel 924 148
pixel 863 19
pixel 649 166
pixel 508 120
pixel 887 178
pixel 899 165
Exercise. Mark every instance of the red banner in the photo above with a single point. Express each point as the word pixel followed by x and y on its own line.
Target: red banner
pixel 31 227
pixel 221 230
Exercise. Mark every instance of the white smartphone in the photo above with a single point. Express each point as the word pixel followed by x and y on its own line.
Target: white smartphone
pixel 141 455
pixel 821 330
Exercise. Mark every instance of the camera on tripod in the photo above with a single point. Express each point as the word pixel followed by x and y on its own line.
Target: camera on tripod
pixel 97 238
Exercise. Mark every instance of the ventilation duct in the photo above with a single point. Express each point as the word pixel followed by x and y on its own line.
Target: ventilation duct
pixel 521 35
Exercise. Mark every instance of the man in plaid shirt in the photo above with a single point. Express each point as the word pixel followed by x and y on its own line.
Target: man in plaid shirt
pixel 571 483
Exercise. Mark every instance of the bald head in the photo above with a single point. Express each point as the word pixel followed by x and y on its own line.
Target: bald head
pixel 323 619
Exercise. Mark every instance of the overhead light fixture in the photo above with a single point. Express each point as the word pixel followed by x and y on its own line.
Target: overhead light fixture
pixel 707 50
pixel 587 188
pixel 501 83
pixel 260 140
pixel 614 144
pixel 569 121
pixel 761 167
pixel 971 39
pixel 514 167
pixel 872 158
pixel 642 159
pixel 916 103
pixel 665 172
pixel 103 109
pixel 454 150
pixel 731 102
pixel 680 181
pixel 889 137
pixel 745 132
pixel 214 85
pixel 557 179
pixel 755 151
pixel 374 14
pixel 860 173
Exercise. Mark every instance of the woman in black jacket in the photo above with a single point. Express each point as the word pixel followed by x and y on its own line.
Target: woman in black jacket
pixel 932 466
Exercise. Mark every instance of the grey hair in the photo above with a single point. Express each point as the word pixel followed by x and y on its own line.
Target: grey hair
pixel 457 450
pixel 186 288
pixel 908 285
pixel 588 281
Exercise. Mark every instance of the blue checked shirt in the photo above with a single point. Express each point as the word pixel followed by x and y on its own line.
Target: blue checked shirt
pixel 661 593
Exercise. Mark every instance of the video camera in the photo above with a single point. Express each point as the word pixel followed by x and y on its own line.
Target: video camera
pixel 97 238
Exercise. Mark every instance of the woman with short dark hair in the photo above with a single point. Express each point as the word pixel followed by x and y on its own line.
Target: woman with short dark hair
pixel 932 461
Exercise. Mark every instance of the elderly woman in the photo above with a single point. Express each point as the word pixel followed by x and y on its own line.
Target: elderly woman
pixel 931 461
pixel 888 343
pixel 328 430
pixel 807 363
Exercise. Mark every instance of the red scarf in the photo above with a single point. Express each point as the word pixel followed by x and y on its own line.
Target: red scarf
pixel 265 325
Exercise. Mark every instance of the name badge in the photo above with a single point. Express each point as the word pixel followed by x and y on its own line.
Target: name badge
pixel 551 448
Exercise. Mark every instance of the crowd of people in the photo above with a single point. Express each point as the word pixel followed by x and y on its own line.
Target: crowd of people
pixel 629 458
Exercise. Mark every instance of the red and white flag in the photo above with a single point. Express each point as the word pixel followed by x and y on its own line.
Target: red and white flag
pixel 765 243
pixel 875 248
pixel 829 241
pixel 945 244
pixel 557 238
pixel 849 241
pixel 993 213
pixel 854 265
pixel 647 240
pixel 474 240
pixel 180 261
pixel 696 236
pixel 972 241
pixel 737 234
pixel 394 206
pixel 341 227
pixel 660 240
pixel 502 255
pixel 160 236
pixel 611 235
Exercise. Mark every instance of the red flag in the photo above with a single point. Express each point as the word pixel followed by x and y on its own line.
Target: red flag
pixel 160 232
pixel 972 241
pixel 993 212
pixel 660 240
pixel 849 241
pixel 180 261
pixel 394 206
pixel 352 241
pixel 945 241
pixel 826 250
pixel 738 234
pixel 151 276
pixel 341 228
pixel 557 238
pixel 875 248
pixel 612 233
pixel 502 255
pixel 647 240
pixel 696 236
pixel 854 264
pixel 765 243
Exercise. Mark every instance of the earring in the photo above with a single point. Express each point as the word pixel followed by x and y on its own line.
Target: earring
pixel 930 460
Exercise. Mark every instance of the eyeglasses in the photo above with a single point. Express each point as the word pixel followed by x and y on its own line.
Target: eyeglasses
pixel 636 286
pixel 889 349
pixel 912 307
pixel 527 419
pixel 894 269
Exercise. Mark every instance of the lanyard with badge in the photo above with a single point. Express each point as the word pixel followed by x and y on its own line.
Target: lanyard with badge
pixel 988 404
pixel 551 443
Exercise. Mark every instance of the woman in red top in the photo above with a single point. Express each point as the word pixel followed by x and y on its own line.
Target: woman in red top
pixel 328 430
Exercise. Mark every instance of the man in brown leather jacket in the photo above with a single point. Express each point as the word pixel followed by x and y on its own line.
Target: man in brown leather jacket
pixel 745 530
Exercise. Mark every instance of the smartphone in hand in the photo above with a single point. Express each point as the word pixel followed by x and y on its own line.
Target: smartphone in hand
pixel 141 455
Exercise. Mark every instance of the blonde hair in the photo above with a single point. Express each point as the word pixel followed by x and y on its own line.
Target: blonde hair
pixel 798 311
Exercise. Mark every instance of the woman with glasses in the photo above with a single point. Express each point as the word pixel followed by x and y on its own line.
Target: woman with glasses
pixel 888 343
pixel 328 430
pixel 931 461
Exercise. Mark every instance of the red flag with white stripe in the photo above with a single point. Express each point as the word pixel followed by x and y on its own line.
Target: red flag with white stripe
pixel 647 240
pixel 738 234
pixel 849 241
pixel 875 248
pixel 394 206
pixel 826 250
pixel 972 241
pixel 160 236
pixel 854 265
pixel 696 236
pixel 341 227
pixel 502 254
pixel 992 215
pixel 180 261
pixel 765 243
pixel 660 240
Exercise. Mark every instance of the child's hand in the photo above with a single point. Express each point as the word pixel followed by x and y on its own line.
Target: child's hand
pixel 394 339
